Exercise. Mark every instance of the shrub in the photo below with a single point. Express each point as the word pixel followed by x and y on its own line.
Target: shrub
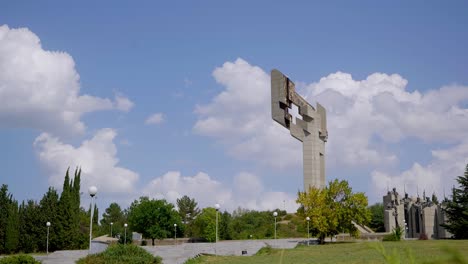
pixel 396 235
pixel 264 251
pixel 121 254
pixel 19 259
pixel 288 217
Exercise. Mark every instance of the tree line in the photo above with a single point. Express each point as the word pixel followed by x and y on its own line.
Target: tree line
pixel 331 210
pixel 23 226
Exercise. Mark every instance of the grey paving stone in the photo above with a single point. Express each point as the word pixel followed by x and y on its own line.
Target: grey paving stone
pixel 178 254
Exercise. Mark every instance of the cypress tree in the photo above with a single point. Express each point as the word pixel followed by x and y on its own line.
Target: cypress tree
pixel 65 214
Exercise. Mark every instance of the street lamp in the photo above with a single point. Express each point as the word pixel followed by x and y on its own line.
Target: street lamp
pixel 92 192
pixel 125 238
pixel 111 227
pixel 47 246
pixel 175 233
pixel 217 206
pixel 275 214
pixel 308 238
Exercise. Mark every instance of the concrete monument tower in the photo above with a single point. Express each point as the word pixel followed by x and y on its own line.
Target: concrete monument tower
pixel 311 130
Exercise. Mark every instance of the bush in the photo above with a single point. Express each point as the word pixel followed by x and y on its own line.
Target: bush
pixel 19 259
pixel 264 251
pixel 396 235
pixel 121 254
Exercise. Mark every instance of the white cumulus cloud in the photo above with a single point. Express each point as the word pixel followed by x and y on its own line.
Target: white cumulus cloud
pixel 97 158
pixel 246 191
pixel 240 117
pixel 40 89
pixel 365 119
pixel 438 176
pixel 155 119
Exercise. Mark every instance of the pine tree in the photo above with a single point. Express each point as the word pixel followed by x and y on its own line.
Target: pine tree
pixel 457 208
pixel 9 221
pixel 12 228
pixel 49 207
pixel 4 205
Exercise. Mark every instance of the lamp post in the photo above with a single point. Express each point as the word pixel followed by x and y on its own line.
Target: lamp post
pixel 275 214
pixel 125 238
pixel 92 192
pixel 175 233
pixel 47 246
pixel 217 206
pixel 112 223
pixel 308 237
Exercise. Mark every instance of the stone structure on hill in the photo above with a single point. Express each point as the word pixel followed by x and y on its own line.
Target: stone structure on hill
pixel 420 216
pixel 311 130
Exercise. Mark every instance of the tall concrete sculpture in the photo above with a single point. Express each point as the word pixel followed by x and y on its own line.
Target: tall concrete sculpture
pixel 311 130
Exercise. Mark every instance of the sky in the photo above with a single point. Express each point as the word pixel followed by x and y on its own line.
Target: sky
pixel 165 99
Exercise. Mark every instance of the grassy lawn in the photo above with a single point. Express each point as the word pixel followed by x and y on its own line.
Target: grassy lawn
pixel 423 251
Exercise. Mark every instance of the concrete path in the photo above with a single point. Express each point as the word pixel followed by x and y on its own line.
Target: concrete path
pixel 178 254
pixel 181 253
pixel 62 257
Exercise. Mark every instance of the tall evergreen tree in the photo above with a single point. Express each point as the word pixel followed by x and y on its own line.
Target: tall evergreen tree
pixel 4 206
pixel 9 221
pixel 113 214
pixel 49 207
pixel 69 213
pixel 12 228
pixel 31 227
pixel 188 211
pixel 457 208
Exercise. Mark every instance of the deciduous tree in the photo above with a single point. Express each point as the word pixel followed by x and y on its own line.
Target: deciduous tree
pixel 154 219
pixel 333 209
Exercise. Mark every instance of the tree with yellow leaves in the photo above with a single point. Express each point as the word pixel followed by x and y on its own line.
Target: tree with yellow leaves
pixel 333 209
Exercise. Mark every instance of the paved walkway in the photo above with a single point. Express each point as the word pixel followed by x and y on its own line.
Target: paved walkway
pixel 177 254
pixel 62 257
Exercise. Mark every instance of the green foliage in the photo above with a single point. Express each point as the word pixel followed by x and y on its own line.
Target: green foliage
pixel 188 211
pixel 395 235
pixel 12 228
pixel 264 251
pixel 255 223
pixel 377 217
pixel 154 219
pixel 19 259
pixel 30 231
pixel 69 232
pixel 333 209
pixel 204 225
pixel 9 222
pixel 113 214
pixel 48 207
pixel 225 227
pixel 121 254
pixel 457 209
pixel 23 228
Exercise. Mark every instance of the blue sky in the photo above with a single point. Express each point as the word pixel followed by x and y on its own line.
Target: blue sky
pixel 393 77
